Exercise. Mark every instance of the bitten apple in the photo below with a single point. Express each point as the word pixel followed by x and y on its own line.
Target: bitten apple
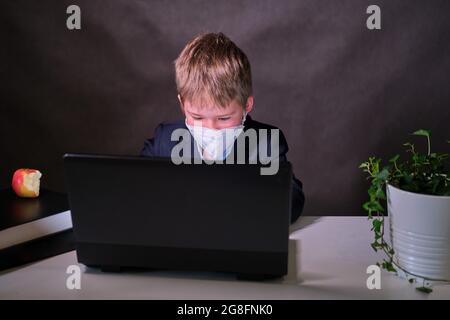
pixel 26 182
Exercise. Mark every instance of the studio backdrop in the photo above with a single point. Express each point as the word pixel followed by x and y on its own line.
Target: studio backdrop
pixel 339 91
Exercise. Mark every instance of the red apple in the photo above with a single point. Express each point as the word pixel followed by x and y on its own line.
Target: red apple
pixel 26 182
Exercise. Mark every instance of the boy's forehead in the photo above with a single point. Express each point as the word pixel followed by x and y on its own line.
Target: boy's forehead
pixel 205 107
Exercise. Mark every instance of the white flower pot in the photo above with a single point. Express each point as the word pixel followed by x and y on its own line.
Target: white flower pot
pixel 420 232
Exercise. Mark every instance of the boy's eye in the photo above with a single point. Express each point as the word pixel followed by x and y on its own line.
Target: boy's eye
pixel 197 118
pixel 224 118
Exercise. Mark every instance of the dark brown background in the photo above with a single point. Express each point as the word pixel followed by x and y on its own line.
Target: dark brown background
pixel 339 91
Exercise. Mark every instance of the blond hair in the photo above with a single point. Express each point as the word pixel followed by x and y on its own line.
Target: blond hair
pixel 212 67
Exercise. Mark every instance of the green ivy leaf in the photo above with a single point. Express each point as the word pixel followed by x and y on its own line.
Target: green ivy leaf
pixel 409 144
pixel 383 174
pixel 366 206
pixel 377 206
pixel 422 132
pixel 363 165
pixel 380 194
pixel 394 159
pixel 390 267
pixel 374 246
pixel 424 289
pixel 377 225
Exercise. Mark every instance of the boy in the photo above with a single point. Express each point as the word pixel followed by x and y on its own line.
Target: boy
pixel 214 84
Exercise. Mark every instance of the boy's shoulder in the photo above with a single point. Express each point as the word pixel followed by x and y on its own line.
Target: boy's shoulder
pixel 167 125
pixel 253 124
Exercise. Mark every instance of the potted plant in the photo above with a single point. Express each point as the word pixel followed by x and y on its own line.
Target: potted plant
pixel 417 191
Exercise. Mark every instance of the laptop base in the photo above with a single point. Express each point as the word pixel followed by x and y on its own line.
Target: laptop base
pixel 164 258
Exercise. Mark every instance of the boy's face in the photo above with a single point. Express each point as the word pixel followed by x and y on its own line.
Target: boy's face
pixel 215 117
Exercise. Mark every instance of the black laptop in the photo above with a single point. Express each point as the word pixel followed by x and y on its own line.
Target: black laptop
pixel 150 213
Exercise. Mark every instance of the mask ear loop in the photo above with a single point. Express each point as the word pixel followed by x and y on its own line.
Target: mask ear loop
pixel 244 117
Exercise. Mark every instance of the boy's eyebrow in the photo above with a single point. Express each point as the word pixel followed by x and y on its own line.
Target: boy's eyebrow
pixel 194 114
pixel 225 115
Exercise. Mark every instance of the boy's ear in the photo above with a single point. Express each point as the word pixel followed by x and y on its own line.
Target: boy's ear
pixel 249 104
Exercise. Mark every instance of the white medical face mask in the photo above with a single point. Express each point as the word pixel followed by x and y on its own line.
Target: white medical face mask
pixel 216 144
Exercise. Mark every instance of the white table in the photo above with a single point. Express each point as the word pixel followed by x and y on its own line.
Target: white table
pixel 328 260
